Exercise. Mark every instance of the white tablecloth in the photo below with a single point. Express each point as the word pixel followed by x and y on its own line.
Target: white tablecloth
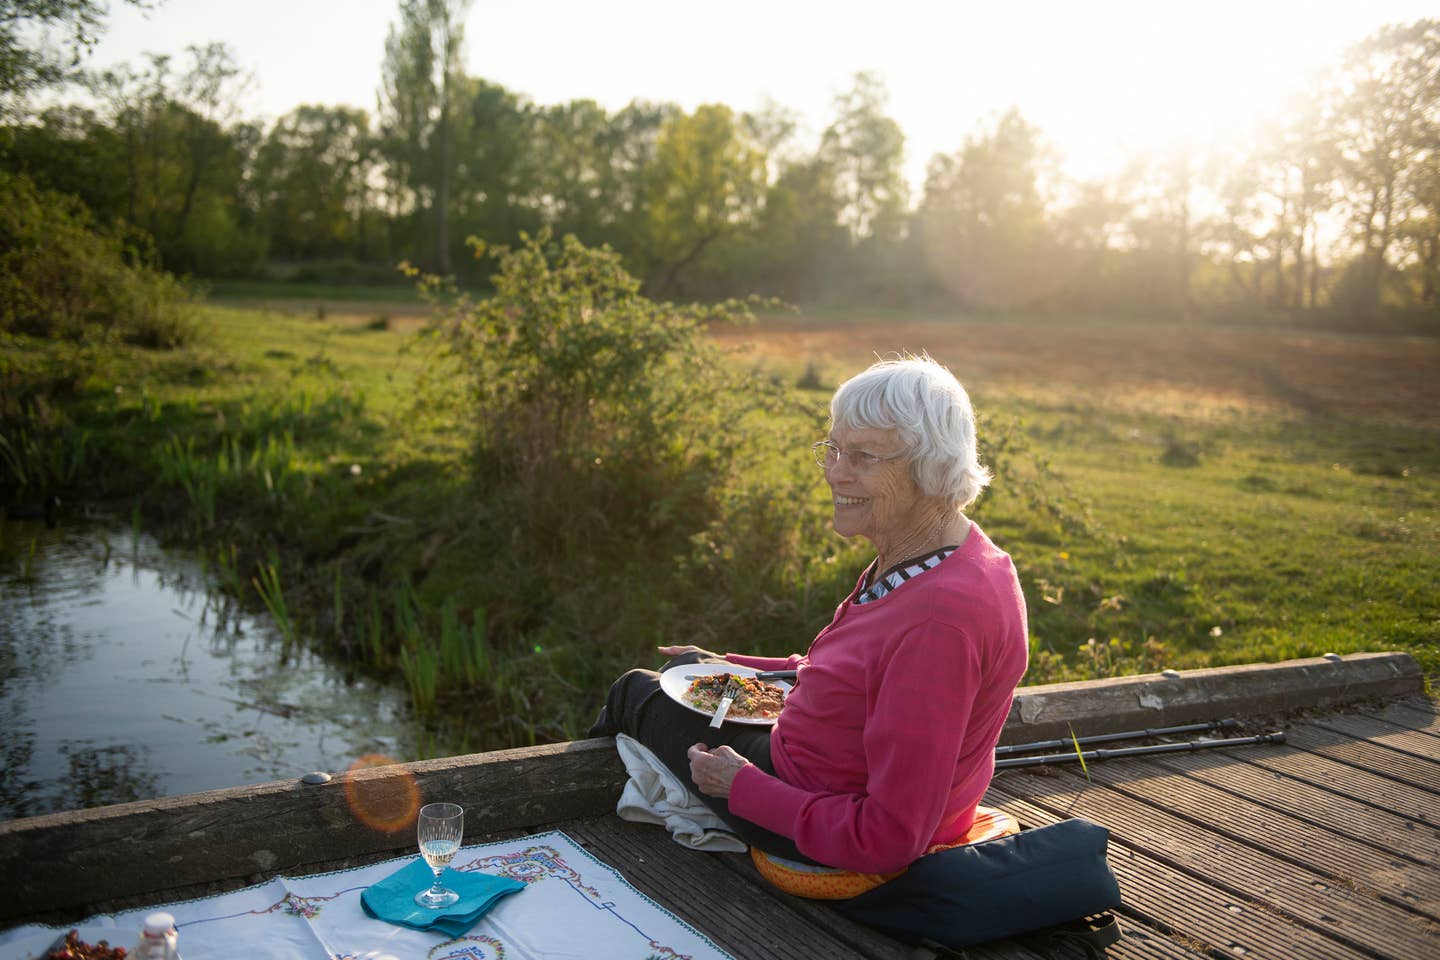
pixel 573 906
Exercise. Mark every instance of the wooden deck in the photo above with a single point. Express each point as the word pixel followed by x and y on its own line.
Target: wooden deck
pixel 1325 846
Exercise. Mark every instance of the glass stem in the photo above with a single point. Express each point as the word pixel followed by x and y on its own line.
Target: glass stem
pixel 437 889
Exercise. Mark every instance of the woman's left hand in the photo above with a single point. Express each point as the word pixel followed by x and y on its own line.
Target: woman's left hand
pixel 714 770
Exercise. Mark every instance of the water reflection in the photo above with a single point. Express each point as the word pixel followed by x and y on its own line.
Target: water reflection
pixel 122 679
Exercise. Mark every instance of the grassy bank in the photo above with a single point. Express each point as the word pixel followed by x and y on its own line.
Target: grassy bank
pixel 329 470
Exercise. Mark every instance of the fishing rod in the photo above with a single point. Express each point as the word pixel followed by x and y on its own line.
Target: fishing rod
pixel 1109 737
pixel 1087 755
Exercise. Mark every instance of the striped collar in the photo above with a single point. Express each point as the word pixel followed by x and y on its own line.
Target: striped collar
pixel 903 571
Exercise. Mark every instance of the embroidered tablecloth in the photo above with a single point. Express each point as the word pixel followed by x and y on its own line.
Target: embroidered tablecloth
pixel 572 906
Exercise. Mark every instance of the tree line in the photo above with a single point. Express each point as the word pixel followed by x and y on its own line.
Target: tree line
pixel 1334 208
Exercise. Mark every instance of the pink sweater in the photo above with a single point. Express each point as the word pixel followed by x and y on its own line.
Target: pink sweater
pixel 887 742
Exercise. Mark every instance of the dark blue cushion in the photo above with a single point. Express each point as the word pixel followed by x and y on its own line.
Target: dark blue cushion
pixel 994 889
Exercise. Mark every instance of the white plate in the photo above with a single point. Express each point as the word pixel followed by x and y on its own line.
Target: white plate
pixel 676 681
pixel 35 945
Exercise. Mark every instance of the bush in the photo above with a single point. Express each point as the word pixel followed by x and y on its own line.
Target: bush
pixel 613 451
pixel 62 277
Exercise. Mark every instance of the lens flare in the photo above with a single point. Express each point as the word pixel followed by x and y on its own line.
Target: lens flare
pixel 386 801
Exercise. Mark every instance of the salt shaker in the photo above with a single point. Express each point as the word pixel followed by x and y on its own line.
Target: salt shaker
pixel 157 940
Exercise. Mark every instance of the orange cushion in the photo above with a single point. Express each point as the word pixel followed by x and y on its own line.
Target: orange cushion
pixel 827 883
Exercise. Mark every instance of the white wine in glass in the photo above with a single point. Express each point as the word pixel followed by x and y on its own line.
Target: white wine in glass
pixel 439 829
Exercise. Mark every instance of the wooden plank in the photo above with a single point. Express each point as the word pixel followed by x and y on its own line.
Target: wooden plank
pixel 1413 713
pixel 1141 943
pixel 1365 755
pixel 1193 910
pixel 151 849
pixel 1376 870
pixel 1363 922
pixel 1383 793
pixel 1361 821
pixel 740 918
pixel 1385 734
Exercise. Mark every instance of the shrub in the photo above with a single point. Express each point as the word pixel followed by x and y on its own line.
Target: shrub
pixel 611 444
pixel 62 277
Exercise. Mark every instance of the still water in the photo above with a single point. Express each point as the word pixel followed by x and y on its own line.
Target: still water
pixel 123 678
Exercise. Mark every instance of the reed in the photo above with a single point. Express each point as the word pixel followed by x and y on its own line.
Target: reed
pixel 420 665
pixel 43 459
pixel 267 584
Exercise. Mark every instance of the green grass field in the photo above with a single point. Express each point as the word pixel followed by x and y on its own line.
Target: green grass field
pixel 1173 497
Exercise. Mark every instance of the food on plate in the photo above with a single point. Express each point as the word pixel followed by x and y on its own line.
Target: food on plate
pixel 73 948
pixel 757 699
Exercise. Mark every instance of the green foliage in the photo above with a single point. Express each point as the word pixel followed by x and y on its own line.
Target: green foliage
pixel 62 277
pixel 605 438
pixel 26 66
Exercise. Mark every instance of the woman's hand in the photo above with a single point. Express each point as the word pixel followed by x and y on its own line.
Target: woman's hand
pixel 673 652
pixel 714 770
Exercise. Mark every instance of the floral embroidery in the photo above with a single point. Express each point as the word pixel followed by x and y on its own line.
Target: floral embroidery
pixel 468 948
pixel 532 864
pixel 294 905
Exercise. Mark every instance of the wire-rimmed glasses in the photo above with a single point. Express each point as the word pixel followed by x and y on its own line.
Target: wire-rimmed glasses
pixel 828 454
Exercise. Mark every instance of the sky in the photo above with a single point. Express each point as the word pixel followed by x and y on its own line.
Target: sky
pixel 1102 79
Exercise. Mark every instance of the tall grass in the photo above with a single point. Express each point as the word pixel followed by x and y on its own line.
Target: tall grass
pixel 267 584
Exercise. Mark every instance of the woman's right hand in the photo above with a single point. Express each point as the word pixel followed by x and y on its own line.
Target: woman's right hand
pixel 680 651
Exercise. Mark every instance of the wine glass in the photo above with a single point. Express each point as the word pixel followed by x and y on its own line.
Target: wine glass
pixel 439 830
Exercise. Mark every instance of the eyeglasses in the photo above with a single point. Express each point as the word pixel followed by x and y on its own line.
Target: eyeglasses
pixel 828 454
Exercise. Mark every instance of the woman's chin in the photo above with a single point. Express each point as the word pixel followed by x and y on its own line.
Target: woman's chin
pixel 847 524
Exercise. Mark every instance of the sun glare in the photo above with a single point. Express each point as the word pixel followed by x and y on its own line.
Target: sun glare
pixel 1181 80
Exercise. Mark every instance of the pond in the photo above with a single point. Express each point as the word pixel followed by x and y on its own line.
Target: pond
pixel 124 677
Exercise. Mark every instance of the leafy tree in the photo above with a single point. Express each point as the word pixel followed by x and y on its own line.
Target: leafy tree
pixel 983 218
pixel 71 149
pixel 1274 197
pixel 495 165
pixel 704 187
pixel 421 80
pixel 799 246
pixel 310 182
pixel 32 57
pixel 1385 134
pixel 866 150
pixel 185 156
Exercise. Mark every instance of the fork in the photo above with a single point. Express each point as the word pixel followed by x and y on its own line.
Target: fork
pixel 727 697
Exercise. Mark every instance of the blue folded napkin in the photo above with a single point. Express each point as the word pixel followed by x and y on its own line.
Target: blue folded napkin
pixel 393 899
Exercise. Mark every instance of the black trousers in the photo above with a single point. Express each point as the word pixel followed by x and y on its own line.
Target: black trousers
pixel 637 707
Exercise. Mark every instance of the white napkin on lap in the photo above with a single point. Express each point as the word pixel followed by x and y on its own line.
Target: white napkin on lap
pixel 655 795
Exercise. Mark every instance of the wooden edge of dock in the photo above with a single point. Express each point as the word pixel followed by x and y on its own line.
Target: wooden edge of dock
pixel 62 867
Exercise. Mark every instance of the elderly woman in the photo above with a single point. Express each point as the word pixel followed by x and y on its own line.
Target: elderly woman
pixel 886 743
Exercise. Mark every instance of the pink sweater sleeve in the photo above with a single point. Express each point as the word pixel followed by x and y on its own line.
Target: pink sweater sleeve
pixel 912 741
pixel 765 663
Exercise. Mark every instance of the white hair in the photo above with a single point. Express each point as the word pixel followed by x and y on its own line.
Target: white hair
pixel 930 411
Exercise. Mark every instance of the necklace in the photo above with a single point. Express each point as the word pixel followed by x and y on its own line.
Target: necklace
pixel 952 529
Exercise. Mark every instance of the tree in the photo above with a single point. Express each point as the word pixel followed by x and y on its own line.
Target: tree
pixel 32 58
pixel 421 79
pixel 185 156
pixel 705 185
pixel 983 218
pixel 310 182
pixel 866 150
pixel 495 162
pixel 1385 137
pixel 1273 199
